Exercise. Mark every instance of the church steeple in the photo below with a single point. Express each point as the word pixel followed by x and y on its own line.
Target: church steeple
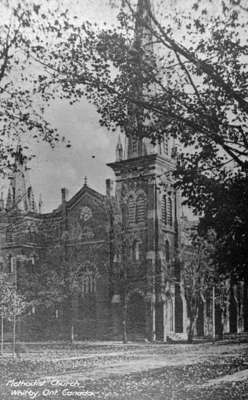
pixel 143 23
pixel 20 193
pixel 142 59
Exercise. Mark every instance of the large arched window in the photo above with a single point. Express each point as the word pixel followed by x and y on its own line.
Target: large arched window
pixel 140 208
pixel 131 210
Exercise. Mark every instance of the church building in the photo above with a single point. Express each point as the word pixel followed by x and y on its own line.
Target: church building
pixel 118 252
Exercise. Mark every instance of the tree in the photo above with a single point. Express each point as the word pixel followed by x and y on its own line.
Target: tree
pixel 57 279
pixel 193 81
pixel 185 74
pixel 198 275
pixel 226 212
pixel 12 305
pixel 21 108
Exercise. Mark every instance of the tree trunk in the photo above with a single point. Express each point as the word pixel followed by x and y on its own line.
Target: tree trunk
pixel 190 331
pixel 193 314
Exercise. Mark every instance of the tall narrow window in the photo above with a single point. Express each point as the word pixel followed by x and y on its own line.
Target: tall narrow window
pixel 140 208
pixel 131 210
pixel 164 209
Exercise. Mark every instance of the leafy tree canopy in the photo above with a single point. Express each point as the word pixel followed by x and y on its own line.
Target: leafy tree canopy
pixel 178 72
pixel 21 107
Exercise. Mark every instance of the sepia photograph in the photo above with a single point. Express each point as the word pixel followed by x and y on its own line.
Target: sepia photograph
pixel 124 199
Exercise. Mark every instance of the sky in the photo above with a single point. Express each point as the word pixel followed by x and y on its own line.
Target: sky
pixel 92 146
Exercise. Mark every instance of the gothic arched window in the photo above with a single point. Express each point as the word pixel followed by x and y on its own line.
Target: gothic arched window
pixel 140 208
pixel 131 210
pixel 88 283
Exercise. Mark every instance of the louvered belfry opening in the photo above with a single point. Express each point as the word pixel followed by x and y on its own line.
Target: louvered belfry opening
pixel 131 210
pixel 140 208
pixel 167 210
pixel 136 208
pixel 164 209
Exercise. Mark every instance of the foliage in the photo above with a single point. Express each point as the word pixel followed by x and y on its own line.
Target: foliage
pixel 152 73
pixel 58 275
pixel 196 75
pixel 11 303
pixel 21 108
pixel 198 275
pixel 226 212
pixel 57 280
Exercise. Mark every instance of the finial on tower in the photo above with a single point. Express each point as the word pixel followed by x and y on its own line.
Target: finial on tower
pixel 119 150
pixel 85 181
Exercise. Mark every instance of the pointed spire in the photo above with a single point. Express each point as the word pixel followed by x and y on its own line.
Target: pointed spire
pixel 143 34
pixel 119 150
pixel 20 192
pixel 141 56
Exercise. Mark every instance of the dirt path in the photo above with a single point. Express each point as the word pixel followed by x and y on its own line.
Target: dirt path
pixel 149 359
pixel 236 377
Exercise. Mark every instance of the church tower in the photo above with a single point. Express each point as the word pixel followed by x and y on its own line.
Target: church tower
pixel 20 193
pixel 150 214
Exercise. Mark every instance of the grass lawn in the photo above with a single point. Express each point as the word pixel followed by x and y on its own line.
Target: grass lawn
pixel 115 371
